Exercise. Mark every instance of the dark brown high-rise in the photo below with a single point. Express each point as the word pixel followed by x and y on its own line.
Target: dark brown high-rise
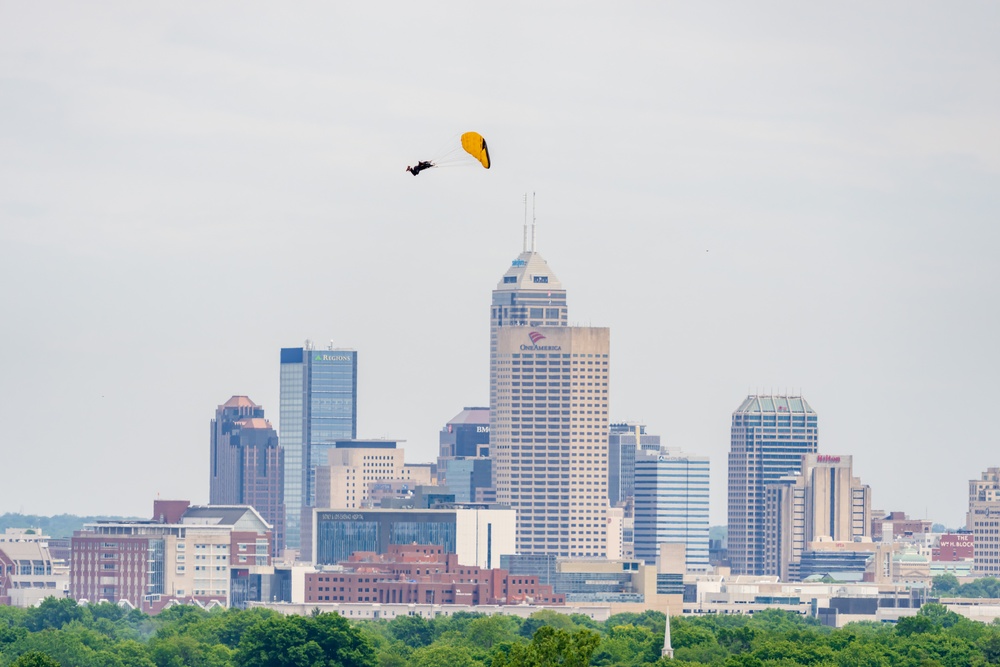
pixel 247 463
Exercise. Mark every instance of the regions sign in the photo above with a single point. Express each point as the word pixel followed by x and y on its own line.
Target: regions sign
pixel 330 357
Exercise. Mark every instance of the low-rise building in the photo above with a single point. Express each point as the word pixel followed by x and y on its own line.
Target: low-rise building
pixel 477 534
pixel 422 574
pixel 954 547
pixel 28 573
pixel 892 526
pixel 623 585
pixel 208 555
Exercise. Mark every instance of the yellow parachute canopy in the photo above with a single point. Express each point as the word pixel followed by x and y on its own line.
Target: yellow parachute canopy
pixel 475 145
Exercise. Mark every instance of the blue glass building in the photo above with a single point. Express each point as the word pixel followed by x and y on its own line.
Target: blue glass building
pixel 624 441
pixel 769 436
pixel 465 468
pixel 671 506
pixel 318 406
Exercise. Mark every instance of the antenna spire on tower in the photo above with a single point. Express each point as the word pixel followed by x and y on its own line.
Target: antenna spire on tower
pixel 532 222
pixel 524 240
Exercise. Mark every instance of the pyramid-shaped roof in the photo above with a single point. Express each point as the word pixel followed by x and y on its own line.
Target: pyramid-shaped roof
pixel 472 416
pixel 255 423
pixel 239 402
pixel 529 272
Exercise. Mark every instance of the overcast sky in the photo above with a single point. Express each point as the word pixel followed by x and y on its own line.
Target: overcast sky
pixel 775 197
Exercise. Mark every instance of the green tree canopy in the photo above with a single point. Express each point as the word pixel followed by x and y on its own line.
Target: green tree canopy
pixel 443 655
pixel 549 647
pixel 325 640
pixel 34 659
pixel 944 584
pixel 414 631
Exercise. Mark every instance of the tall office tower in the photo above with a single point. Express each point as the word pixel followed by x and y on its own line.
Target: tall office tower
pixel 319 405
pixel 464 467
pixel 824 501
pixel 528 295
pixel 549 437
pixel 671 505
pixel 624 442
pixel 769 436
pixel 983 520
pixel 247 463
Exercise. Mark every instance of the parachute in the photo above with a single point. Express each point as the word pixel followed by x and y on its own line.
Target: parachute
pixel 475 145
pixel 458 154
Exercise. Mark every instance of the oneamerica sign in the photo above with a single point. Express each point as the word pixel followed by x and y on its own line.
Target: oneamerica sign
pixel 535 337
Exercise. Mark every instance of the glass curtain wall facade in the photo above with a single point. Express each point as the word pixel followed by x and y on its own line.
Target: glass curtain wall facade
pixel 671 505
pixel 318 406
pixel 340 534
pixel 624 441
pixel 769 436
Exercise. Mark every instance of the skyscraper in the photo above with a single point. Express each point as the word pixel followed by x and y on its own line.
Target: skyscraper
pixel 825 500
pixel 247 463
pixel 549 437
pixel 983 521
pixel 768 438
pixel 625 441
pixel 319 397
pixel 671 505
pixel 548 414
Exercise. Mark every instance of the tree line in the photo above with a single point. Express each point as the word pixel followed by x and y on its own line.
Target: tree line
pixel 61 632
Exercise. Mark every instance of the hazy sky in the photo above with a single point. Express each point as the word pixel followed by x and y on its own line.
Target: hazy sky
pixel 763 196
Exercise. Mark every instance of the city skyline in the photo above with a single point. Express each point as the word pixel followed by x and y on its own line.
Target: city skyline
pixel 778 196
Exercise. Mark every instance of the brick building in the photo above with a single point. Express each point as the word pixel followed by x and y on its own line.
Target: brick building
pixel 210 555
pixel 902 526
pixel 422 574
pixel 953 548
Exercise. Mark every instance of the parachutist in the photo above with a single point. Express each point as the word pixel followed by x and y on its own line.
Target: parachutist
pixel 424 164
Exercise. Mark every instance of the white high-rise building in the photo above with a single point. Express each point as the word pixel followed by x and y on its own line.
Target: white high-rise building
pixel 549 437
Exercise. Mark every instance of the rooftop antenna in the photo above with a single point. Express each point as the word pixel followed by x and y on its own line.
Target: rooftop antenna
pixel 532 222
pixel 524 240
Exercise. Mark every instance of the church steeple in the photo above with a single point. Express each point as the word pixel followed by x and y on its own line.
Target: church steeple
pixel 668 650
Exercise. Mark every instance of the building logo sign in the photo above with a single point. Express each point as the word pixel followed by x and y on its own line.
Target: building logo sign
pixel 826 458
pixel 482 429
pixel 535 347
pixel 331 357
